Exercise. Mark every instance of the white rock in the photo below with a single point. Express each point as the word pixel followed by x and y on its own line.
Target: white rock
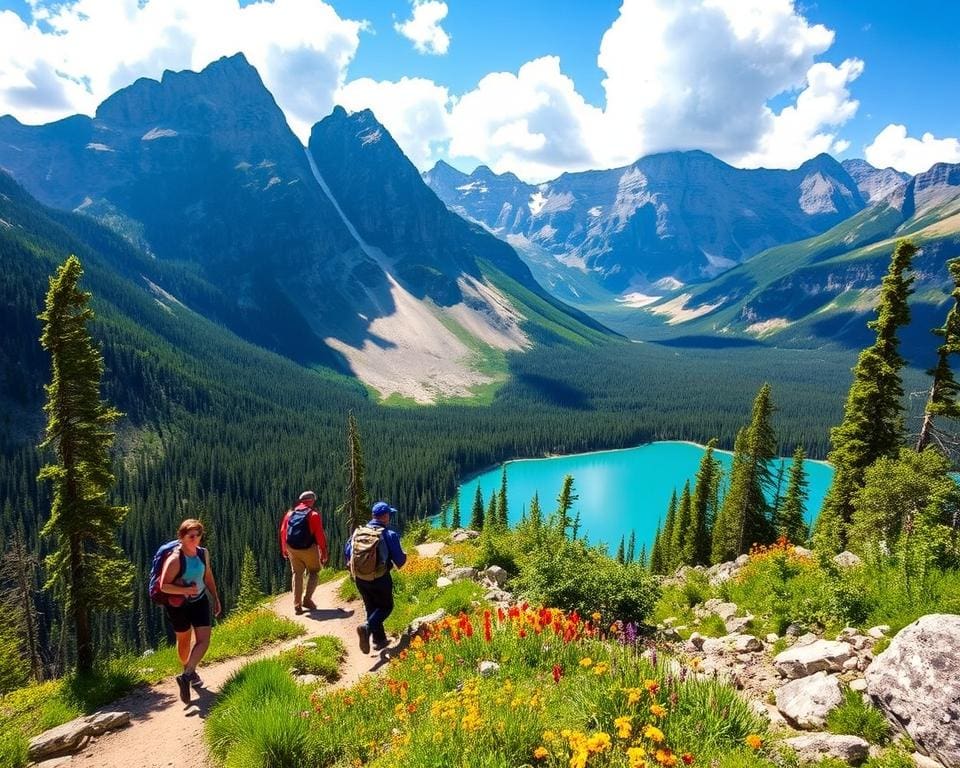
pixel 696 640
pixel 805 702
pixel 803 660
pixel 916 682
pixel 815 746
pixel 772 637
pixel 922 761
pixel 745 643
pixel 847 560
pixel 881 630
pixel 488 668
pixel 443 582
pixel 859 685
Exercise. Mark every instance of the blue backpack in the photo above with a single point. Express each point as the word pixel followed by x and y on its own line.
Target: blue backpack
pixel 298 529
pixel 156 571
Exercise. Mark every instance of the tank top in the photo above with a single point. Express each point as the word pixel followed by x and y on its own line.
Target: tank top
pixel 193 574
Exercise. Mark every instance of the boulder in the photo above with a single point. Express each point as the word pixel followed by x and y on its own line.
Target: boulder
pixel 736 624
pixel 466 573
pixel 922 761
pixel 488 668
pixel 803 660
pixel 847 560
pixel 443 582
pixel 881 630
pixel 802 551
pixel 805 702
pixel 916 682
pixel 463 534
pixel 496 575
pixel 70 736
pixel 815 746
pixel 418 623
pixel 696 640
pixel 744 643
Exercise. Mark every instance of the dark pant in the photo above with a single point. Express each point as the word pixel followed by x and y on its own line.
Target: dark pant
pixel 377 598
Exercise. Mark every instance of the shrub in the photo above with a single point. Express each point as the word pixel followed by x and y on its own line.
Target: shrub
pixel 572 576
pixel 321 657
pixel 13 750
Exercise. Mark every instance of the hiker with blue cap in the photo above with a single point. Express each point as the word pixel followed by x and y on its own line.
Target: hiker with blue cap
pixel 372 551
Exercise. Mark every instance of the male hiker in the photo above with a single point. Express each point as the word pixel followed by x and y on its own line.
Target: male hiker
pixel 371 552
pixel 304 543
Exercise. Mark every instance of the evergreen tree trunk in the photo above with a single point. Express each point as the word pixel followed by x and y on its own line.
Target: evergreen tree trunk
pixel 87 568
pixel 356 507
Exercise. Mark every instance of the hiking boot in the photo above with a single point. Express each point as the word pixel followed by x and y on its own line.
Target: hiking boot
pixel 379 645
pixel 310 605
pixel 195 680
pixel 297 610
pixel 363 635
pixel 183 682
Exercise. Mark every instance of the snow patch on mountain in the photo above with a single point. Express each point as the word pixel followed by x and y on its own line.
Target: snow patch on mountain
pixel 96 147
pixel 370 137
pixel 158 133
pixel 474 186
pixel 677 312
pixel 637 300
pixel 668 284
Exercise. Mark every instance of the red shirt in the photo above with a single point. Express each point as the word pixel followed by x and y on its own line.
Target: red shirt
pixel 316 528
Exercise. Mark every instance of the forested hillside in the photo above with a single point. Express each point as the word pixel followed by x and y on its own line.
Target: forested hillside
pixel 220 429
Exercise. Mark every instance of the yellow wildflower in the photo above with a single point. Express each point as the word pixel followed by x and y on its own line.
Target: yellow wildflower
pixel 753 741
pixel 586 661
pixel 635 757
pixel 653 733
pixel 623 726
pixel 601 668
pixel 540 753
pixel 657 711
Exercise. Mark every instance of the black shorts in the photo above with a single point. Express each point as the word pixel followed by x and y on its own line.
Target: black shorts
pixel 190 614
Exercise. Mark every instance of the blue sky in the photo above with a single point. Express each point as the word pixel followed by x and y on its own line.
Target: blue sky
pixel 537 88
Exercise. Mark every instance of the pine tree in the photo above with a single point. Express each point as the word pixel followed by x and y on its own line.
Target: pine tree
pixel 445 516
pixel 872 425
pixel 502 501
pixel 565 503
pixel 942 400
pixel 622 552
pixel 250 594
pixel 357 504
pixel 789 520
pixel 536 514
pixel 455 522
pixel 657 564
pixel 706 481
pixel 681 534
pixel 88 571
pixel 632 547
pixel 575 527
pixel 476 513
pixel 666 554
pixel 744 516
pixel 491 519
pixel 16 602
pixel 643 556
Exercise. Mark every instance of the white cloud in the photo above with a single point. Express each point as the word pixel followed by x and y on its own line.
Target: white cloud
pixel 894 149
pixel 74 55
pixel 533 123
pixel 414 110
pixel 800 131
pixel 423 27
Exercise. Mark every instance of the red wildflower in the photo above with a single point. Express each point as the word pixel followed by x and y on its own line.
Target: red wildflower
pixel 557 673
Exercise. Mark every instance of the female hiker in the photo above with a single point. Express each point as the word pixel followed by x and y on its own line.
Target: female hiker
pixel 187 573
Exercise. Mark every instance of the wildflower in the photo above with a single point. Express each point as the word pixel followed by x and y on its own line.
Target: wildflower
pixel 599 742
pixel 753 741
pixel 635 757
pixel 633 695
pixel 557 673
pixel 652 686
pixel 687 758
pixel 586 661
pixel 540 753
pixel 522 633
pixel 657 711
pixel 595 616
pixel 623 726
pixel 666 758
pixel 653 733
pixel 601 668
pixel 487 630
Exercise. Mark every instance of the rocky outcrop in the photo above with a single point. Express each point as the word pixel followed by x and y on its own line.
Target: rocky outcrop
pixel 916 682
pixel 816 746
pixel 820 655
pixel 71 736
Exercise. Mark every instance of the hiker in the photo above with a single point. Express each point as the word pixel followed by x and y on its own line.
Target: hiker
pixel 304 544
pixel 371 551
pixel 193 580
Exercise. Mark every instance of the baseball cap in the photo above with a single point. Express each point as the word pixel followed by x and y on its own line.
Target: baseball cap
pixel 307 495
pixel 382 508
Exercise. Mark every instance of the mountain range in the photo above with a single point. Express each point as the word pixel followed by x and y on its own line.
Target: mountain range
pixel 202 171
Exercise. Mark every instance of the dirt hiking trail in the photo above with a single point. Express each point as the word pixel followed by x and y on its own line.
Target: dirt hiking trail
pixel 164 732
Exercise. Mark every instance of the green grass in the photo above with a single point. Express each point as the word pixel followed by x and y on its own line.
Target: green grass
pixel 28 711
pixel 320 656
pixel 856 718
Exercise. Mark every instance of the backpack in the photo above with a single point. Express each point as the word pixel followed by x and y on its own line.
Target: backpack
pixel 156 571
pixel 298 529
pixel 367 560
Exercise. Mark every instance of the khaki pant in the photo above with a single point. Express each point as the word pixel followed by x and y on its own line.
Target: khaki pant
pixel 304 560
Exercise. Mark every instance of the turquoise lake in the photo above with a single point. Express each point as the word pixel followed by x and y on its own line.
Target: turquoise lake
pixel 620 491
